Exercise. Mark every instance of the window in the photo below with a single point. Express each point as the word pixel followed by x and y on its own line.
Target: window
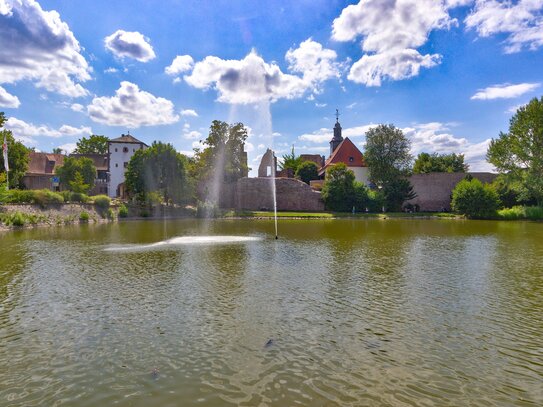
pixel 115 149
pixel 116 165
pixel 133 150
pixel 351 159
pixel 125 149
pixel 125 164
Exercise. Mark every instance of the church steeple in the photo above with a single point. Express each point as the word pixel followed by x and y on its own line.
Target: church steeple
pixel 337 139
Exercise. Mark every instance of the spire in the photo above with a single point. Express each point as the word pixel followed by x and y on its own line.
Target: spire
pixel 337 139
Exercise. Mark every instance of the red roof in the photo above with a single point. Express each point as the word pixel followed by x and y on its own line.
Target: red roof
pixel 43 163
pixel 346 153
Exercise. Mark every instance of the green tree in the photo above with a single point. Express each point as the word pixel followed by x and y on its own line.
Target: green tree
pixel 474 200
pixel 17 157
pixel 222 158
pixel 95 144
pixel 78 173
pixel 426 163
pixel 307 171
pixel 57 150
pixel 338 191
pixel 160 169
pixel 519 153
pixel 291 161
pixel 388 157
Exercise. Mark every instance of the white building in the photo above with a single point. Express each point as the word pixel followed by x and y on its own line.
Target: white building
pixel 120 151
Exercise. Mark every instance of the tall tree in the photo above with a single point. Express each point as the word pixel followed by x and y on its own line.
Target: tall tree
pixel 158 169
pixel 519 152
pixel 222 159
pixel 389 160
pixel 426 163
pixel 17 157
pixel 338 191
pixel 95 144
pixel 77 174
pixel 291 161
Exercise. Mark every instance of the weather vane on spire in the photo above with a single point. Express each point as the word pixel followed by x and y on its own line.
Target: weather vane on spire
pixel 337 115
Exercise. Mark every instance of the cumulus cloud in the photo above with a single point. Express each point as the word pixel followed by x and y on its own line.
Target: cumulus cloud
pixel 325 135
pixel 68 148
pixel 391 32
pixel 130 44
pixel 252 79
pixel 522 21
pixel 132 108
pixel 189 112
pixel 76 107
pixel 8 100
pixel 504 91
pixel 27 131
pixel 37 45
pixel 180 64
pixel 192 135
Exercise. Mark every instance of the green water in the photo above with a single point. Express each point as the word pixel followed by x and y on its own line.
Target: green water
pixel 335 312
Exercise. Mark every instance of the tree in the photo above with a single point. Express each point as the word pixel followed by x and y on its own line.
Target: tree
pixel 17 157
pixel 474 200
pixel 160 169
pixel 389 160
pixel 77 174
pixel 57 150
pixel 93 145
pixel 338 191
pixel 426 163
pixel 519 153
pixel 222 159
pixel 291 161
pixel 307 171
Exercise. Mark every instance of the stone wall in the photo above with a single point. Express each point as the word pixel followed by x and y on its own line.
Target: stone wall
pixel 292 195
pixel 434 190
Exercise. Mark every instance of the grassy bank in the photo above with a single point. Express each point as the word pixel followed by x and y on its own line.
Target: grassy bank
pixel 334 215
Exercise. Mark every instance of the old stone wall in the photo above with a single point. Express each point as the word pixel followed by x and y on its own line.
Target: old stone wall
pixel 434 190
pixel 292 195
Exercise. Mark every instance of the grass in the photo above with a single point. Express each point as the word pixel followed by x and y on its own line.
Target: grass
pixel 521 213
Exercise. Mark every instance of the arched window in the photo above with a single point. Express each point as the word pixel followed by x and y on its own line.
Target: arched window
pixel 125 149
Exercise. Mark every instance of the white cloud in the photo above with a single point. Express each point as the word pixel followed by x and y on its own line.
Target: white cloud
pixel 505 91
pixel 132 108
pixel 180 64
pixel 28 131
pixel 325 135
pixel 37 45
pixel 321 104
pixel 249 147
pixel 76 107
pixel 8 100
pixel 192 135
pixel 392 31
pixel 351 105
pixel 521 20
pixel 111 70
pixel 68 148
pixel 252 80
pixel 130 44
pixel 189 112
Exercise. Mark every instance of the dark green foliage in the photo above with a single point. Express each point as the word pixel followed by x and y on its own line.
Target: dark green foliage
pixel 519 153
pixel 475 200
pixel 338 189
pixel 307 171
pixel 396 192
pixel 101 201
pixel 426 163
pixel 158 170
pixel 291 161
pixel 70 196
pixel 93 145
pixel 77 174
pixel 41 197
pixel 123 211
pixel 44 197
pixel 84 217
pixel 17 157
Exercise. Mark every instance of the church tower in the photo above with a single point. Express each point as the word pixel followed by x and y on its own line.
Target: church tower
pixel 337 139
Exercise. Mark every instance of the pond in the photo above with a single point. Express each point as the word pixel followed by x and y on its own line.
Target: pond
pixel 336 312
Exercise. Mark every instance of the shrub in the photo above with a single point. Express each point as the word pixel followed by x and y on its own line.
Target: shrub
pixel 101 201
pixel 307 171
pixel 70 196
pixel 109 214
pixel 17 219
pixel 17 196
pixel 338 188
pixel 514 213
pixel 84 217
pixel 376 201
pixel 534 212
pixel 475 200
pixel 123 211
pixel 43 197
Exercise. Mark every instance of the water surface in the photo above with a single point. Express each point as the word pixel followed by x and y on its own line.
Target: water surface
pixel 335 312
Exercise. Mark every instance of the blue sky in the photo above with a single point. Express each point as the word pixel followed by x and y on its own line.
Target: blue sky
pixel 448 72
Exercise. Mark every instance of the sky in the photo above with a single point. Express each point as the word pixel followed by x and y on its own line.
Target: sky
pixel 449 73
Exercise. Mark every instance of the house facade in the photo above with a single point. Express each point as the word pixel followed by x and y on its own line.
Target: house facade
pixel 120 151
pixel 41 171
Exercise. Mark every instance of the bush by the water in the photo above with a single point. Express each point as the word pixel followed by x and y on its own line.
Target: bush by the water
pixel 101 201
pixel 70 196
pixel 521 212
pixel 41 197
pixel 123 211
pixel 84 217
pixel 473 199
pixel 20 218
pixel 207 210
